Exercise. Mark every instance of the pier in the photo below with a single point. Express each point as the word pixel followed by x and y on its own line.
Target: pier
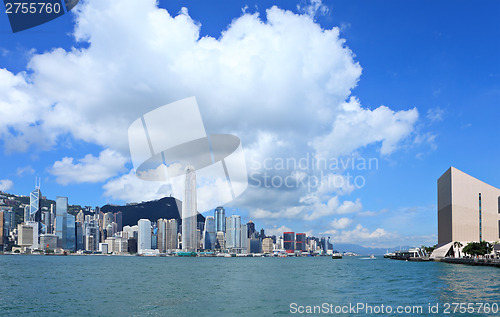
pixel 475 261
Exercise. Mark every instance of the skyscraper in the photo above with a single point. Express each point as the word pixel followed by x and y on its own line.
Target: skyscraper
pixel 80 217
pixel 300 242
pixel 233 232
pixel 220 241
pixel 70 233
pixel 26 213
pixel 119 221
pixel 251 228
pixel 108 219
pixel 9 219
pixel 161 224
pixel 34 237
pixel 267 245
pixel 61 222
pixel 289 241
pixel 144 238
pixel 220 219
pixel 171 234
pixel 47 221
pixel 25 235
pixel 91 232
pixel 52 219
pixel 35 212
pixel 189 212
pixel 154 238
pixel 2 231
pixel 79 235
pixel 244 238
pixel 209 237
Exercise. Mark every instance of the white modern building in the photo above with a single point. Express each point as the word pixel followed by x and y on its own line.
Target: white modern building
pixel 26 233
pixel 468 210
pixel 144 235
pixel 267 245
pixel 189 213
pixel 48 241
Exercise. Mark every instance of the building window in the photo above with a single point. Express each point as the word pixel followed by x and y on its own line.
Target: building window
pixel 480 220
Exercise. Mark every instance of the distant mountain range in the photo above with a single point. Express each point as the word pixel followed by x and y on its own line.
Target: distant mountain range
pixel 345 247
pixel 166 208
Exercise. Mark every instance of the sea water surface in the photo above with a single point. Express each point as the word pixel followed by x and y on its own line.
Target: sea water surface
pixel 34 285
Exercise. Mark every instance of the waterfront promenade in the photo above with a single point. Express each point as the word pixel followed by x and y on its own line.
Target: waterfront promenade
pixel 474 261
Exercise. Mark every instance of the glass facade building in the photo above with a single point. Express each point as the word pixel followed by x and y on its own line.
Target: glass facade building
pixel 254 246
pixel 209 235
pixel 35 212
pixel 289 241
pixel 220 219
pixel 61 222
pixel 70 233
pixel 79 235
pixel 2 231
pixel 233 232
pixel 251 228
pixel 300 242
pixel 244 238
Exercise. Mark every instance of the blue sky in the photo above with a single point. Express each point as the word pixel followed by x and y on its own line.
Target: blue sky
pixel 435 66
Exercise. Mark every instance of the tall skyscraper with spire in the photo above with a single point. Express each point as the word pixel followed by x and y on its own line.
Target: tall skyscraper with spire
pixel 189 212
pixel 35 213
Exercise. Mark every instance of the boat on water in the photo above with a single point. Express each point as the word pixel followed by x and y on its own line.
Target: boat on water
pixel 372 256
pixel 337 256
pixel 389 255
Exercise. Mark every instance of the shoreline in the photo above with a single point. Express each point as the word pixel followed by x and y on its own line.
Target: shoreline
pixel 473 262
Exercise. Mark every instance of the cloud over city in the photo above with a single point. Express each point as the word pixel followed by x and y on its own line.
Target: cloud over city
pixel 281 82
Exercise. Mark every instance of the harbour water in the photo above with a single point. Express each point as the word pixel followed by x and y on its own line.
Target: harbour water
pixel 173 286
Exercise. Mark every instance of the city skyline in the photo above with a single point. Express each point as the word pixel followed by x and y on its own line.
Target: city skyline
pixel 92 231
pixel 294 81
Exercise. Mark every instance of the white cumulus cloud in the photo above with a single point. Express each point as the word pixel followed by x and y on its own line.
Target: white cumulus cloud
pixel 363 236
pixel 130 188
pixel 356 127
pixel 341 223
pixel 5 184
pixel 277 231
pixel 89 169
pixel 277 82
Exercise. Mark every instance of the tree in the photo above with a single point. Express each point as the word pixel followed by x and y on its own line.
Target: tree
pixel 457 245
pixel 478 248
pixel 428 250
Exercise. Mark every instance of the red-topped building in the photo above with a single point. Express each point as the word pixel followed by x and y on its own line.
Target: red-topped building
pixel 289 241
pixel 300 242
